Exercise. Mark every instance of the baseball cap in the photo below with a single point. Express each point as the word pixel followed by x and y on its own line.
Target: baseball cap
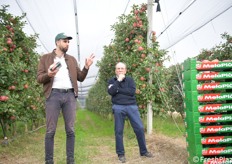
pixel 62 36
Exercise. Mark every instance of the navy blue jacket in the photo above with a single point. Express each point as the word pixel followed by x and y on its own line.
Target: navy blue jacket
pixel 122 93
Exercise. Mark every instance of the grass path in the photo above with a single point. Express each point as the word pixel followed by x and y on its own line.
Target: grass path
pixel 95 144
pixel 91 133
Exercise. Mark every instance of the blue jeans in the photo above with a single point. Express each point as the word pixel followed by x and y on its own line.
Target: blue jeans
pixel 132 112
pixel 65 102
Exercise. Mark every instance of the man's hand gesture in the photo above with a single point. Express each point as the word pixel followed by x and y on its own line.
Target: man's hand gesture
pixel 89 61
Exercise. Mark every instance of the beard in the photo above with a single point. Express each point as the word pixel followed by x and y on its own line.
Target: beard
pixel 64 49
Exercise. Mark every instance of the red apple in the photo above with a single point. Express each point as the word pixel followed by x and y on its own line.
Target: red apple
pixel 11 29
pixel 11 87
pixel 137 91
pixel 148 69
pixel 26 86
pixel 144 7
pixel 4 98
pixel 142 78
pixel 13 20
pixel 140 48
pixel 8 27
pixel 12 118
pixel 153 32
pixel 11 49
pixel 9 42
pixel 144 86
pixel 127 39
pixel 136 12
pixel 134 24
pixel 143 56
pixel 13 46
pixel 137 18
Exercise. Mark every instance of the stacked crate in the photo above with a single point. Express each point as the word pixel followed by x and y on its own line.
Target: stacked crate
pixel 208 109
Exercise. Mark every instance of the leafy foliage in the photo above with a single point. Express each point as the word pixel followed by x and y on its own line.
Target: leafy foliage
pixel 143 62
pixel 175 98
pixel 219 52
pixel 130 46
pixel 20 94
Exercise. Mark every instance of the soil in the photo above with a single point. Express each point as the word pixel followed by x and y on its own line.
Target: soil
pixel 166 150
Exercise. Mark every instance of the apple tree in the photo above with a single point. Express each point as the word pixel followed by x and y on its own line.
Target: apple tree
pixel 20 95
pixel 220 52
pixel 130 46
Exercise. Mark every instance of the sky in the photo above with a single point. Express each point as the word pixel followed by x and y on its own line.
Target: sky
pixel 95 17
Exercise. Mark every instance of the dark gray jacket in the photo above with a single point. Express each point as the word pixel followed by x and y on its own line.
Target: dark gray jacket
pixel 123 93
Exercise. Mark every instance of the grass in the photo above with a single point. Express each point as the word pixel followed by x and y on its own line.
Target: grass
pixel 169 126
pixel 94 136
pixel 26 146
pixel 91 131
pixel 89 128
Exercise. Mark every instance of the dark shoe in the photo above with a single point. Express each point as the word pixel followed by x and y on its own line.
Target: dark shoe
pixel 122 158
pixel 148 155
pixel 70 161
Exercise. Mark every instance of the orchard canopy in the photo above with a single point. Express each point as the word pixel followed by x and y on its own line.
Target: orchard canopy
pixel 22 99
pixel 20 95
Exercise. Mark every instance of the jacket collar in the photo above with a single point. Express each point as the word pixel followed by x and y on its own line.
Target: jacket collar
pixel 54 55
pixel 115 78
